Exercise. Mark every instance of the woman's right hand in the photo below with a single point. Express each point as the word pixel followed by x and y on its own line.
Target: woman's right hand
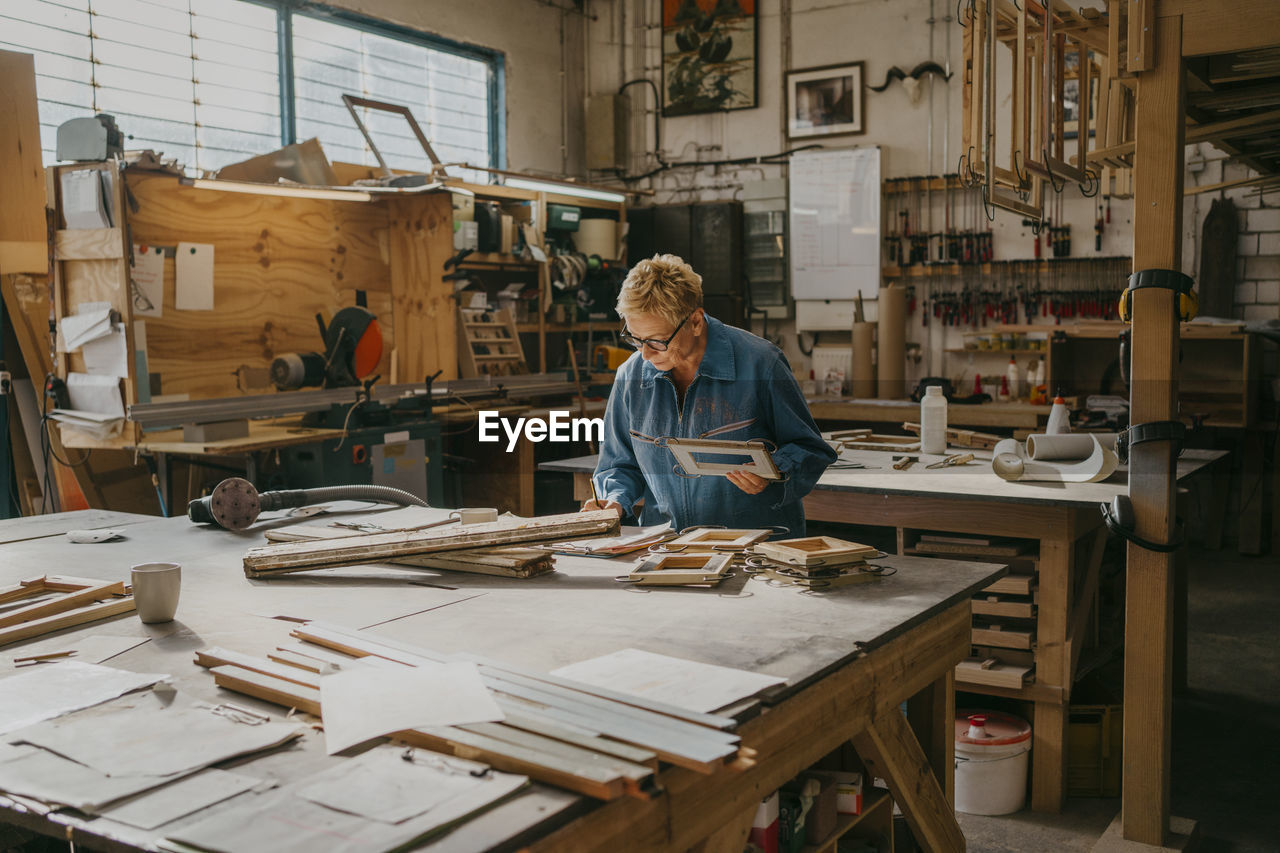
pixel 592 505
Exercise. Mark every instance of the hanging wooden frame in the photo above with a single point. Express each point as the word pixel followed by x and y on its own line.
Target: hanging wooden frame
pixel 686 450
pixel 681 570
pixel 816 551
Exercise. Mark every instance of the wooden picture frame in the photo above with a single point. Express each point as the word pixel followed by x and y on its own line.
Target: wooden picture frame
pixel 709 50
pixel 77 601
pixel 711 539
pixel 682 570
pixel 828 100
pixel 816 551
pixel 353 101
pixel 686 450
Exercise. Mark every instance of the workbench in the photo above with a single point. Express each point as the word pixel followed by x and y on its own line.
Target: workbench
pixel 1062 520
pixel 851 656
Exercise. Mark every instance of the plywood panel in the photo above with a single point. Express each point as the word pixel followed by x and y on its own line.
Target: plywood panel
pixel 421 240
pixel 278 262
pixel 22 222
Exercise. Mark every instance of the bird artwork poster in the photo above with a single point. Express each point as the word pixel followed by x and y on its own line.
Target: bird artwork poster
pixel 708 56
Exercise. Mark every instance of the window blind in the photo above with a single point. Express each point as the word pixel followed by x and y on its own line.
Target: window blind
pixel 448 95
pixel 199 80
pixel 194 79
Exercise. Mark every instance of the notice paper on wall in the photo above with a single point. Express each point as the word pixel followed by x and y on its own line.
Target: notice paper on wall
pixel 194 270
pixel 148 281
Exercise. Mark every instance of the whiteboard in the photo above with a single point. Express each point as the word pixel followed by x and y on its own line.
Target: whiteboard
pixel 835 223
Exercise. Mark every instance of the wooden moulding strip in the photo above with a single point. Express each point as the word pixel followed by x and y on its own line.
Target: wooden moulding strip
pixel 674 741
pixel 1005 639
pixel 599 782
pixel 49 624
pixel 298 661
pixel 371 548
pixel 1012 585
pixel 639 777
pixel 714 721
pixel 1011 609
pixel 215 656
pixel 69 601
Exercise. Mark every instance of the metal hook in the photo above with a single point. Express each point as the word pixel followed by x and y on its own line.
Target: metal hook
pixel 1092 178
pixel 1044 154
pixel 1024 178
pixel 988 208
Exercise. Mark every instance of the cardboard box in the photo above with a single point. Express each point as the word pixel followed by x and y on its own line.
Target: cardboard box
pixel 508 241
pixel 466 235
pixel 764 828
pixel 848 789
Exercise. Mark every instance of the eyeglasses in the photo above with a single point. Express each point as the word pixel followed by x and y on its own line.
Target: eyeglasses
pixel 655 344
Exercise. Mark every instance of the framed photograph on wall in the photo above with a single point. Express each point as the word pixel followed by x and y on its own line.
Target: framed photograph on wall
pixel 825 101
pixel 708 56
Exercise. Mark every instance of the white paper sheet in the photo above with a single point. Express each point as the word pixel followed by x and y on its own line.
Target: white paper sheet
pixel 87 325
pixel 44 692
pixel 143 736
pixel 181 798
pixel 83 205
pixel 148 281
pixel 93 424
pixel 194 271
pixel 364 703
pixel 107 355
pixel 32 772
pixel 688 684
pixel 381 784
pixel 90 393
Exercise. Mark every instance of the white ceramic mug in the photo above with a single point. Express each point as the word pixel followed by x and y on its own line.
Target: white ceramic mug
pixel 155 590
pixel 475 515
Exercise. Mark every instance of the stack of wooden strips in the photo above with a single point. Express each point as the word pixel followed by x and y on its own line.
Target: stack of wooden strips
pixel 582 738
pixel 285 557
pixel 511 561
pixel 65 602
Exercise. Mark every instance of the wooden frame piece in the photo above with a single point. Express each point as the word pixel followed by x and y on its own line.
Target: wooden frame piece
pixel 681 570
pixel 889 443
pixel 353 101
pixel 701 540
pixel 685 451
pixel 80 600
pixel 816 551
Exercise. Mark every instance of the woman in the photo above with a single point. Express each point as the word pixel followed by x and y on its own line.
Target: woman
pixel 693 375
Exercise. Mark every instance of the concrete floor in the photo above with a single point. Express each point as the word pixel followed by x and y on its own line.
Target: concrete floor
pixel 1226 729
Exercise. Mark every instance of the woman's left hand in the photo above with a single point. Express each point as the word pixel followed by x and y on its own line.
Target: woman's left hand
pixel 752 484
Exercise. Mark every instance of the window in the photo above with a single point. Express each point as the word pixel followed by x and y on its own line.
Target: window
pixel 200 80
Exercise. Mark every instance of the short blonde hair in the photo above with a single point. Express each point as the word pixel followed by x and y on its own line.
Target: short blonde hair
pixel 664 285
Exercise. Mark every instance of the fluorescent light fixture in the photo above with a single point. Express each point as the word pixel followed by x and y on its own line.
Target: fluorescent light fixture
pixel 564 189
pixel 324 193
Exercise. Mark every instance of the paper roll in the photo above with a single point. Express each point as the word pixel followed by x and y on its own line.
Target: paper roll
pixel 1069 446
pixel 597 237
pixel 1011 462
pixel 891 367
pixel 862 374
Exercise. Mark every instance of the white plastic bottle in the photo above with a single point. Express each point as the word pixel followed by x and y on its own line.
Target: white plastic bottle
pixel 933 421
pixel 1012 372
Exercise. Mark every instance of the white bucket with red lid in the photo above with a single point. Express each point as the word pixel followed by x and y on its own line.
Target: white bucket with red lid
pixel 991 762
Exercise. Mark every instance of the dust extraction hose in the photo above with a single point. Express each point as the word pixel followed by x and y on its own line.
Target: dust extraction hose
pixel 235 503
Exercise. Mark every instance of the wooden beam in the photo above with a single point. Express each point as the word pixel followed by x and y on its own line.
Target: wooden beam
pixel 1142 20
pixel 1157 244
pixel 23 239
pixel 70 619
pixel 1225 26
pixel 890 750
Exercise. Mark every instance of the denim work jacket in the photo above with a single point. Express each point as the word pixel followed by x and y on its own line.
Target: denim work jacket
pixel 742 377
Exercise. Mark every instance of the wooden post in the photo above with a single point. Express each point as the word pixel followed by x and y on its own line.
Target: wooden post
pixel 1157 244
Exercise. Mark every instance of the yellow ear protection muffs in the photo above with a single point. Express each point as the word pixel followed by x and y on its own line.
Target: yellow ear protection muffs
pixel 1188 302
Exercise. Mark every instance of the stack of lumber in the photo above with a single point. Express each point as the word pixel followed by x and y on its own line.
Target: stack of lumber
pixel 64 602
pixel 285 557
pixel 961 437
pixel 510 561
pixel 582 738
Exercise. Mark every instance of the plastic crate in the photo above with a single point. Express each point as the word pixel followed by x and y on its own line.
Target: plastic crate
pixel 1095 738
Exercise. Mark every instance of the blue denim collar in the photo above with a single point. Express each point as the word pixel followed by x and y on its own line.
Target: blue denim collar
pixel 717 361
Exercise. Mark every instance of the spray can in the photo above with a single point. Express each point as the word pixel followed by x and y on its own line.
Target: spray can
pixel 1011 373
pixel 933 421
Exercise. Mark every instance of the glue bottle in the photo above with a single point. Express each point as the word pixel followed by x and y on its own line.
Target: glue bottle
pixel 933 421
pixel 1059 418
pixel 1011 373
